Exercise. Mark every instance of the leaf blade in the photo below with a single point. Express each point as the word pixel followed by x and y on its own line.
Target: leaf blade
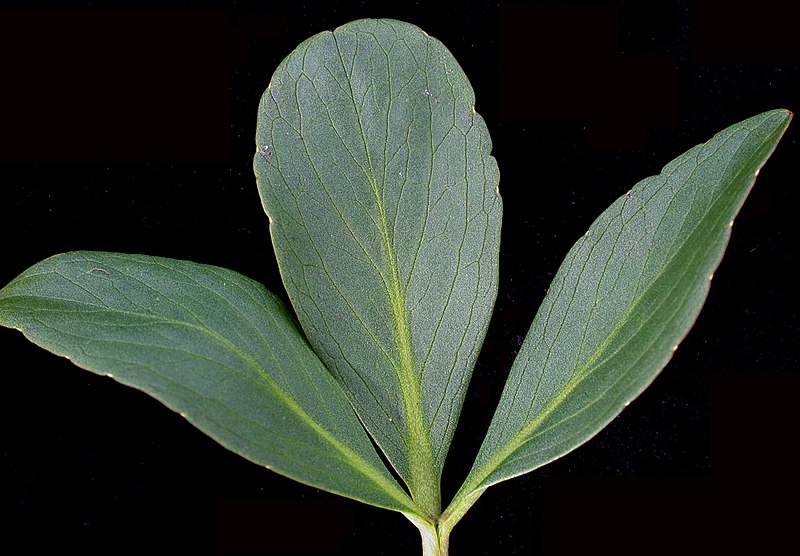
pixel 386 225
pixel 611 320
pixel 213 346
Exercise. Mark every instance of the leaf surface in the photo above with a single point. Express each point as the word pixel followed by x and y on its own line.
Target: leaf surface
pixel 375 171
pixel 212 345
pixel 624 297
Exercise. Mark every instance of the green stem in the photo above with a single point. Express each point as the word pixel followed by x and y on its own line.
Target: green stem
pixel 436 534
pixel 435 539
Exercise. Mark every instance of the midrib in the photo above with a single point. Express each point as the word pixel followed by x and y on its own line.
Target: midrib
pixel 424 481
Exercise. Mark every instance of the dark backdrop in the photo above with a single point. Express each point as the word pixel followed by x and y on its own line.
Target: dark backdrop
pixel 129 128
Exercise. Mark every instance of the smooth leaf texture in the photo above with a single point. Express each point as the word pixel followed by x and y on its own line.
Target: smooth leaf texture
pixel 212 345
pixel 375 171
pixel 624 297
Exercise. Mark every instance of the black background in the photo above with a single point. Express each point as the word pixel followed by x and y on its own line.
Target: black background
pixel 128 127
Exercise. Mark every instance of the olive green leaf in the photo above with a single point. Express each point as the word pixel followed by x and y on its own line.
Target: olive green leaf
pixel 377 177
pixel 375 171
pixel 212 345
pixel 625 296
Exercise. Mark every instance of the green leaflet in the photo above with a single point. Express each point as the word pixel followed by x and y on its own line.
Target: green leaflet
pixel 625 296
pixel 375 171
pixel 212 345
